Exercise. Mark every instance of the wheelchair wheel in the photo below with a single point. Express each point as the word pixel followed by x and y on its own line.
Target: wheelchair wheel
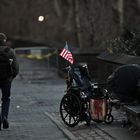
pixel 70 109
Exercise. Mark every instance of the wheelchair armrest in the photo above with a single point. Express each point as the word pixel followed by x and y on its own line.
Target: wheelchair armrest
pixel 73 88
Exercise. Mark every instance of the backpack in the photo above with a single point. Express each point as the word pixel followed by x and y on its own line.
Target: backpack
pixel 5 65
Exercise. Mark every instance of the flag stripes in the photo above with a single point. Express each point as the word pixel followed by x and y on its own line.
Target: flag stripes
pixel 66 54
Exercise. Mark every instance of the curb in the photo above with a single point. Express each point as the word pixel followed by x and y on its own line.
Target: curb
pixel 67 133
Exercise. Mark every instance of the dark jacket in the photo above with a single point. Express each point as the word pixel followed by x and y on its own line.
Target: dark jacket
pixel 15 65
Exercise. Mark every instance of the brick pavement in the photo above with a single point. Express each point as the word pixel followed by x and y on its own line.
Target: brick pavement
pixel 99 131
pixel 83 132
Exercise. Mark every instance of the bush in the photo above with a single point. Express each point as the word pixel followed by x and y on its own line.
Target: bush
pixel 128 43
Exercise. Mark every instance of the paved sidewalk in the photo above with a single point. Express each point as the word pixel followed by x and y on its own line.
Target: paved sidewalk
pixel 27 113
pixel 34 115
pixel 81 131
pixel 98 131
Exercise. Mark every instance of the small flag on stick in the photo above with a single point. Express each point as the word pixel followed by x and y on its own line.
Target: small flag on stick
pixel 66 54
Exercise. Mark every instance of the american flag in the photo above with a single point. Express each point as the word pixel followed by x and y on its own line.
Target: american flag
pixel 66 54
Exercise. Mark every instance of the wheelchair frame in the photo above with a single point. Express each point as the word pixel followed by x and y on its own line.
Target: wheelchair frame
pixel 75 104
pixel 75 107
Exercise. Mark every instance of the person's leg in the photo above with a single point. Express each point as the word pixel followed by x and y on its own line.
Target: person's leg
pixel 5 103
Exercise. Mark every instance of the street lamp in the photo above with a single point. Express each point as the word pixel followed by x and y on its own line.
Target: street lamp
pixel 41 18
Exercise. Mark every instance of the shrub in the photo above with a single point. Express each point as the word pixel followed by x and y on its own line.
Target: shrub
pixel 128 43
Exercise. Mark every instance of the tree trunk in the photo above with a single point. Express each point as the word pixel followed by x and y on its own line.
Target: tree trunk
pixel 77 23
pixel 90 20
pixel 57 8
pixel 120 9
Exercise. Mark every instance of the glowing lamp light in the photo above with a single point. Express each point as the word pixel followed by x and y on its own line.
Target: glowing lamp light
pixel 41 18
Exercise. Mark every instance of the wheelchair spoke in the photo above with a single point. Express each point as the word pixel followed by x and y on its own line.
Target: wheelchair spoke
pixel 69 119
pixel 74 119
pixel 66 116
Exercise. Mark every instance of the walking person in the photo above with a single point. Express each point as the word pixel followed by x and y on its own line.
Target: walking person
pixel 9 68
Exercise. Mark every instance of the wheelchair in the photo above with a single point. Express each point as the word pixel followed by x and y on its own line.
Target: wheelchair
pixel 84 101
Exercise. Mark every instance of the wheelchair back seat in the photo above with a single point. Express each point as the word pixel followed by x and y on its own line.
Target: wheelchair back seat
pixel 80 78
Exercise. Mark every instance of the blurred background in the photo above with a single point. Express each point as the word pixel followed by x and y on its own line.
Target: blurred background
pixel 85 24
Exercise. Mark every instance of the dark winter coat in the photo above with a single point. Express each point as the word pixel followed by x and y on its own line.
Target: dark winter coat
pixel 15 65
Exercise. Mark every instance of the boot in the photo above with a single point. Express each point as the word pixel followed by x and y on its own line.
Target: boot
pixel 5 122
